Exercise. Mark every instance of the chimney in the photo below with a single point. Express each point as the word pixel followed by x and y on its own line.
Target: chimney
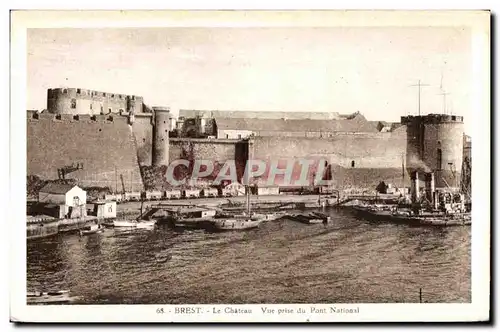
pixel 414 187
pixel 430 187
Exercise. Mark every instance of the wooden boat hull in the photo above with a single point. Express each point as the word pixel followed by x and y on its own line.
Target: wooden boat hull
pixel 134 224
pixel 95 231
pixel 430 220
pixel 124 223
pixel 145 224
pixel 309 220
pixel 235 224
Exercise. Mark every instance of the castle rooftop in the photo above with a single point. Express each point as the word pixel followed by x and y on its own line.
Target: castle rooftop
pixel 431 118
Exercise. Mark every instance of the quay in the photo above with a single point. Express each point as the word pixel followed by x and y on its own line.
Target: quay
pixel 63 208
pixel 40 227
pixel 72 213
pixel 237 203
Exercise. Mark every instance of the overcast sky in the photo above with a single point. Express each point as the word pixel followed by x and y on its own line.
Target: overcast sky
pixel 277 69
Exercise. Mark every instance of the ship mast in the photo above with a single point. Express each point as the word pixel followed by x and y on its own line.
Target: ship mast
pixel 419 85
pixel 403 168
pixel 248 199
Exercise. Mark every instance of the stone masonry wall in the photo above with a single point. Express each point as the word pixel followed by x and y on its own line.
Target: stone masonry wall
pixel 106 149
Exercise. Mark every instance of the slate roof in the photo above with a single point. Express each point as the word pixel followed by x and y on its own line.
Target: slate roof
pixel 260 114
pixel 357 124
pixel 57 188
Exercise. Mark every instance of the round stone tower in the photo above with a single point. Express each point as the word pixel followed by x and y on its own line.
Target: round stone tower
pixel 435 144
pixel 160 135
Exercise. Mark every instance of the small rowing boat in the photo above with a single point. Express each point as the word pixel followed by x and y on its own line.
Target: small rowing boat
pixel 62 296
pixel 92 229
pixel 143 224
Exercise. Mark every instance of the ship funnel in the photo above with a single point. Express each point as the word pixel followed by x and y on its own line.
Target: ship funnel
pixel 414 187
pixel 430 188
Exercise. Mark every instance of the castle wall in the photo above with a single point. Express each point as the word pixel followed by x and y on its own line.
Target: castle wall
pixel 377 157
pixel 449 138
pixel 102 145
pixel 83 101
pixel 143 132
pixel 217 150
pixel 435 143
pixel 380 155
pixel 206 149
pixel 381 150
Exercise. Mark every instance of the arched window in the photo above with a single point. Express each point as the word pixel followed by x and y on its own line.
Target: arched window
pixel 353 164
pixel 439 159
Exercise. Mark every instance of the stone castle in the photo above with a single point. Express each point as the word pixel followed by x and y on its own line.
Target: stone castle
pixel 118 138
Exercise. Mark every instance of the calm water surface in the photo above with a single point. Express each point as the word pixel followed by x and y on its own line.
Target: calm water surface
pixel 349 260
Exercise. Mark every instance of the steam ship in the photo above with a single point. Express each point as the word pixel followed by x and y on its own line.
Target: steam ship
pixel 440 207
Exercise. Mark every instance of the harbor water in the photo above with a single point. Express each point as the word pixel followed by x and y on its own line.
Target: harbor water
pixel 349 260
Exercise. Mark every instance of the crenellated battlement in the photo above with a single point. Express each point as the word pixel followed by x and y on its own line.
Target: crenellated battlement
pixel 86 93
pixel 85 101
pixel 431 119
pixel 35 116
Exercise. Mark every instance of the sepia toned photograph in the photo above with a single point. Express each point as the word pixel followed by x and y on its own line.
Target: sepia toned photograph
pixel 320 165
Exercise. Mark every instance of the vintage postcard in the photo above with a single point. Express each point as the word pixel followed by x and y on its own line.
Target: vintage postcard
pixel 250 166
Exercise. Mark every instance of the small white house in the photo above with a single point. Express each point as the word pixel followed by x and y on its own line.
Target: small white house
pixel 67 194
pixel 105 209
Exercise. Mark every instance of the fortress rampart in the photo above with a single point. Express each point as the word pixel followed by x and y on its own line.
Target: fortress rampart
pixel 117 144
pixel 143 133
pixel 362 154
pixel 103 143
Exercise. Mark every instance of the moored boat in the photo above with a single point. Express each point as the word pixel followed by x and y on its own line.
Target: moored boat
pixel 36 297
pixel 409 217
pixel 237 223
pixel 307 219
pixel 125 223
pixel 324 218
pixel 92 229
pixel 311 218
pixel 145 224
pixel 246 220
pixel 142 224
